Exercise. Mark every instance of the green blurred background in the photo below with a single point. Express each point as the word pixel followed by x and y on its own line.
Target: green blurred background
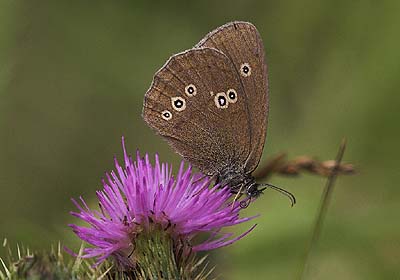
pixel 72 79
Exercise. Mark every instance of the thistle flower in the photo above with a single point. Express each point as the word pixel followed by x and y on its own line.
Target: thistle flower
pixel 141 203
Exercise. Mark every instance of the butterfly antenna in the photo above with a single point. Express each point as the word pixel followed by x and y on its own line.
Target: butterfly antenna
pixel 282 191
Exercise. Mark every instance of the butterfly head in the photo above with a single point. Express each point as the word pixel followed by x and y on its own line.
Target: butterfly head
pixel 253 190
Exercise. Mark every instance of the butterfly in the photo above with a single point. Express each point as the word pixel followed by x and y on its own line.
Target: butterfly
pixel 210 103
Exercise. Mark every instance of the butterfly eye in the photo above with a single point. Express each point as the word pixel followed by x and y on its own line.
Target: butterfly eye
pixel 245 70
pixel 220 100
pixel 166 115
pixel 190 90
pixel 178 103
pixel 232 95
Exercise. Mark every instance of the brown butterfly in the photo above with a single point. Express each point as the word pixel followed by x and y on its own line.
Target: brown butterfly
pixel 210 103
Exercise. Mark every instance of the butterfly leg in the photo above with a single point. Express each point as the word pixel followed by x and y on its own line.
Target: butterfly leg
pixel 237 196
pixel 200 179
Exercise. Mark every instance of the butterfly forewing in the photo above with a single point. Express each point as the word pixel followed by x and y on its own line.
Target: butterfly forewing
pixel 188 104
pixel 242 44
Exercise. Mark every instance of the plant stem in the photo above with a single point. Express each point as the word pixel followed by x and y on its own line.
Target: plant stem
pixel 322 209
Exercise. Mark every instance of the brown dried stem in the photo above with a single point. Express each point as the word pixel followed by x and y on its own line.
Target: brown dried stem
pixel 280 165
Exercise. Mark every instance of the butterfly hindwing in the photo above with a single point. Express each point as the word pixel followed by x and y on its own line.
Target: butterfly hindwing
pixel 242 44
